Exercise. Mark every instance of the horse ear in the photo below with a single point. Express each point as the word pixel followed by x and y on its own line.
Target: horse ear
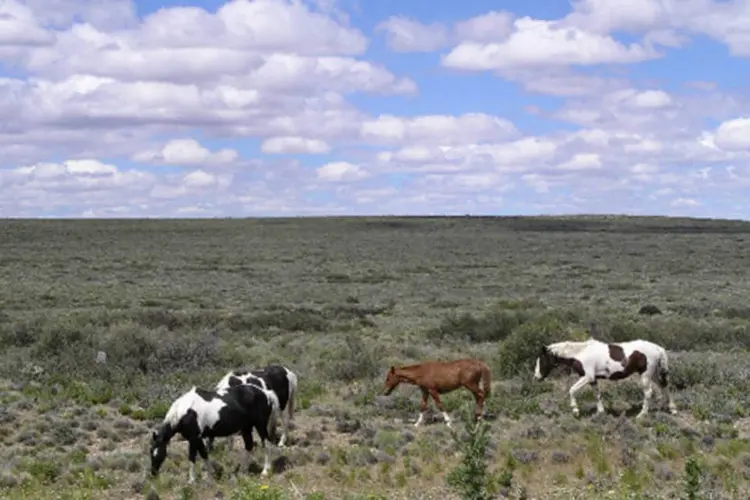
pixel 154 436
pixel 392 370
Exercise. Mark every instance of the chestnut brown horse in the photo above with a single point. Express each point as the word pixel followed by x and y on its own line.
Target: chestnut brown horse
pixel 438 377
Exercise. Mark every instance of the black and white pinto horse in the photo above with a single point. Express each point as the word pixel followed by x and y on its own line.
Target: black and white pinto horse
pixel 276 378
pixel 593 360
pixel 199 414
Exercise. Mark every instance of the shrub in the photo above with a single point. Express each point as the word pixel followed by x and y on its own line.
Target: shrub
pixel 692 478
pixel 521 348
pixel 251 490
pixel 649 310
pixel 353 361
pixel 492 326
pixel 470 478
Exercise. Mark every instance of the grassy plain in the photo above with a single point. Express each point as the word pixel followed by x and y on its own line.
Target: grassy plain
pixel 175 303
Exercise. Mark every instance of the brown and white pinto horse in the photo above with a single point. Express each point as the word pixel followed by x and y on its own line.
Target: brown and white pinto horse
pixel 439 377
pixel 593 360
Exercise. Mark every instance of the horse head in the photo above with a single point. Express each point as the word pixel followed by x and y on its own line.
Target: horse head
pixel 158 449
pixel 545 361
pixel 391 381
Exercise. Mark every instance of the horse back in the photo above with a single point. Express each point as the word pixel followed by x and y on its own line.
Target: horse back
pixel 276 379
pixel 252 402
pixel 647 348
pixel 447 375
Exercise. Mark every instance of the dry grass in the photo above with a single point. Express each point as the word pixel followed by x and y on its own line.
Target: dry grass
pixel 176 303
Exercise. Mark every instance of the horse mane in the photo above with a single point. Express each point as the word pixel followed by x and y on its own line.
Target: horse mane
pixel 570 348
pixel 179 407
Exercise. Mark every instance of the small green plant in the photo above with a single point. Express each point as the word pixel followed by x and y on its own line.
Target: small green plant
pixel 251 490
pixel 692 478
pixel 470 479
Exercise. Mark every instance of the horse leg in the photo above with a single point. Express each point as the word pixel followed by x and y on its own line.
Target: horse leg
pixel 247 437
pixel 192 454
pixel 439 404
pixel 582 382
pixel 647 393
pixel 478 399
pixel 264 438
pixel 422 407
pixel 195 447
pixel 663 385
pixel 599 404
pixel 285 418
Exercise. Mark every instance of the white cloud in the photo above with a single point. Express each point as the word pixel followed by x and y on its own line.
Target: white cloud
pixel 19 27
pixel 493 26
pixel 341 171
pixel 535 43
pixel 406 35
pixel 652 99
pixel 186 152
pixel 105 14
pixel 515 156
pixel 733 135
pixel 582 161
pixel 443 129
pixel 92 88
pixel 684 202
pixel 294 145
pixel 665 21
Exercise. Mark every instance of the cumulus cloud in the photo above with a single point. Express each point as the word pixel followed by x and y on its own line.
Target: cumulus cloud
pixel 281 107
pixel 544 43
pixel 668 22
pixel 733 135
pixel 186 152
pixel 406 35
pixel 341 171
pixel 466 128
pixel 294 145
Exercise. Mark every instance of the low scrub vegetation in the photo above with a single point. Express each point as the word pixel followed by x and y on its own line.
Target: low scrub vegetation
pixel 104 323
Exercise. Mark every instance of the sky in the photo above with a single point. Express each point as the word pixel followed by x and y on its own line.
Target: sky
pixel 114 108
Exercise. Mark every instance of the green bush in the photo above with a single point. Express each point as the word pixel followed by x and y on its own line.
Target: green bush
pixel 470 479
pixel 248 489
pixel 492 326
pixel 354 360
pixel 516 354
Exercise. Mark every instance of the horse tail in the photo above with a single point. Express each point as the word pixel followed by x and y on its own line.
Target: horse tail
pixel 293 381
pixel 486 379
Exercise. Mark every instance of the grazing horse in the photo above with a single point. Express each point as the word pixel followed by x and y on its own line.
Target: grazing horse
pixel 438 377
pixel 279 379
pixel 199 413
pixel 593 360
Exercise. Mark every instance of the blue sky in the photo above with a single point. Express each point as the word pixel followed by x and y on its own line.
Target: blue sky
pixel 313 107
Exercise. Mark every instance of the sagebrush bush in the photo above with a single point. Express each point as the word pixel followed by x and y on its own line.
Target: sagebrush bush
pixel 470 479
pixel 516 354
pixel 352 360
pixel 493 325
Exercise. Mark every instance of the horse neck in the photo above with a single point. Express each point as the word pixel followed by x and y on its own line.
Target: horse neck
pixel 569 349
pixel 408 373
pixel 167 431
pixel 564 360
